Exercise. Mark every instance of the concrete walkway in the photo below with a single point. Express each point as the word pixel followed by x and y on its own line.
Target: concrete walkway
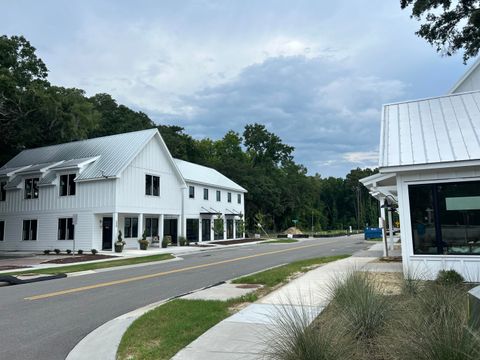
pixel 245 334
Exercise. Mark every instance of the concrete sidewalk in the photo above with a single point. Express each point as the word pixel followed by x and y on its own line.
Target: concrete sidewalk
pixel 245 334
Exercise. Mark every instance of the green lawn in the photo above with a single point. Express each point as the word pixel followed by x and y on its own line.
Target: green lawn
pixel 95 266
pixel 162 332
pixel 280 241
pixel 281 274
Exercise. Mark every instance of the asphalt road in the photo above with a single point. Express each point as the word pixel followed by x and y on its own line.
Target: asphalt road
pixel 45 320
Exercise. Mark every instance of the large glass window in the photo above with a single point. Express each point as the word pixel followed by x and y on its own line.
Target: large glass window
pixel 151 226
pixel 31 188
pixel 130 229
pixel 2 230
pixel 229 228
pixel 29 229
pixel 192 230
pixel 206 229
pixel 66 229
pixel 3 191
pixel 152 185
pixel 67 185
pixel 446 218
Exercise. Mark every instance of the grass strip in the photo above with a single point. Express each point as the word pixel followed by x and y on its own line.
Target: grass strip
pixel 281 241
pixel 162 332
pixel 95 266
pixel 280 275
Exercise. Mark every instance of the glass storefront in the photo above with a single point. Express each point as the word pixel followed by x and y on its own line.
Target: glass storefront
pixel 445 218
pixel 192 230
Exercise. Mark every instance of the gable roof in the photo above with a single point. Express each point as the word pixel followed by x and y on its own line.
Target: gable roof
pixel 465 77
pixel 107 156
pixel 206 176
pixel 434 130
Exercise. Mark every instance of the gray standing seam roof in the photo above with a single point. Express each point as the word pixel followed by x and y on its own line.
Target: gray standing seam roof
pixel 433 130
pixel 114 153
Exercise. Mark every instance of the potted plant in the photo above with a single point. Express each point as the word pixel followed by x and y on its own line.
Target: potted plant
pixel 143 242
pixel 119 244
pixel 167 240
pixel 183 241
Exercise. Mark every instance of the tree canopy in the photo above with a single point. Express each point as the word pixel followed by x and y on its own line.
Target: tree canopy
pixel 35 113
pixel 448 25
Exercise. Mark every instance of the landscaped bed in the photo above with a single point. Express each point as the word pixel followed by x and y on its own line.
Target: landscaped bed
pixel 162 332
pixel 78 258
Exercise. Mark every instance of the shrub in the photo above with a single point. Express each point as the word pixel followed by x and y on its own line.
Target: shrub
pixel 360 305
pixel 94 251
pixel 57 251
pixel 69 251
pixel 182 241
pixel 79 252
pixel 449 277
pixel 167 240
pixel 411 285
pixel 46 252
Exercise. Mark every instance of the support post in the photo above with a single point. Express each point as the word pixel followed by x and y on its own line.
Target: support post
pixel 160 228
pixel 390 227
pixel 114 228
pixel 384 233
pixel 140 225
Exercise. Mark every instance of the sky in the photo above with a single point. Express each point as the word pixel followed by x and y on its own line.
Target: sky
pixel 316 73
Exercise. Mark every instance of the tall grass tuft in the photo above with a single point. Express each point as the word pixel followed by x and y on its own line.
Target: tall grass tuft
pixel 435 327
pixel 294 337
pixel 360 305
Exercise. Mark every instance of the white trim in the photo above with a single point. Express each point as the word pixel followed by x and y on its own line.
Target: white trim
pixel 430 166
pixel 465 76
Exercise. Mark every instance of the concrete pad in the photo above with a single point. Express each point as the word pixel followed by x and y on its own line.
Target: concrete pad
pixel 221 292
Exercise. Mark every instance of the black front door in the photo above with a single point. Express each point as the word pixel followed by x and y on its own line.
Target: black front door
pixel 206 229
pixel 107 225
pixel 170 228
pixel 229 228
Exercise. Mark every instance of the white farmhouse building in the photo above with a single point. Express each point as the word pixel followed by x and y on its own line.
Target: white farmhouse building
pixel 430 165
pixel 82 193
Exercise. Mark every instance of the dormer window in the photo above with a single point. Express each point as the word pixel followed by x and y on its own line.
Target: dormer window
pixel 3 191
pixel 152 185
pixel 67 185
pixel 31 188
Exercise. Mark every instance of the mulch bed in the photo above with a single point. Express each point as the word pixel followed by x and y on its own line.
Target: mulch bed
pixel 231 242
pixel 78 258
pixel 12 267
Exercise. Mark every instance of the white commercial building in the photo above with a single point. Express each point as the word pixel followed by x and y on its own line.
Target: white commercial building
pixel 430 166
pixel 82 193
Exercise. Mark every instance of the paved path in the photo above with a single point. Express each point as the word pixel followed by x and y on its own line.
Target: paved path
pixel 46 320
pixel 245 334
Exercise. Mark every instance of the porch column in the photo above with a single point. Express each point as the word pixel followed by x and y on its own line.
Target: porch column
pixel 140 225
pixel 390 227
pixel 224 227
pixel 160 228
pixel 212 233
pixel 114 228
pixel 234 227
pixel 200 229
pixel 382 225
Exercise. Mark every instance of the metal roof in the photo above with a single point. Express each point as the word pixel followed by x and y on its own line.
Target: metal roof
pixel 434 130
pixel 207 176
pixel 114 153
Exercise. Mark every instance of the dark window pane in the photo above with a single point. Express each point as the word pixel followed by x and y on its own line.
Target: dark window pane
pixel 127 228
pixel 35 188
pixel 239 198
pixel 28 188
pixel 229 228
pixel 156 186
pixel 71 184
pixel 238 227
pixel 422 216
pixel 154 227
pixel 63 185
pixel 2 230
pixel 148 184
pixel 205 194
pixel 191 192
pixel 229 197
pixel 62 228
pixel 148 226
pixel 192 230
pixel 459 215
pixel 219 195
pixel 206 229
pixel 33 229
pixel 134 227
pixel 3 192
pixel 26 229
pixel 70 229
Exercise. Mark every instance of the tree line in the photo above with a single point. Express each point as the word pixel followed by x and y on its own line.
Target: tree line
pixel 34 113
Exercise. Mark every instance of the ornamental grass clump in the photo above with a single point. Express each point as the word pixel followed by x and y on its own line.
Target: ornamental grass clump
pixel 294 337
pixel 360 305
pixel 434 326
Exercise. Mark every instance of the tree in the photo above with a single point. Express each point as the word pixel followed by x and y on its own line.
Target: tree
pixel 448 25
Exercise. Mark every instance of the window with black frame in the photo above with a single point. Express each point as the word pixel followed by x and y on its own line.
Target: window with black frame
pixel 192 230
pixel 445 218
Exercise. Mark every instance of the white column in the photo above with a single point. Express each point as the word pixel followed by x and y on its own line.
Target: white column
pixel 224 227
pixel 114 228
pixel 212 233
pixel 382 220
pixel 390 227
pixel 234 228
pixel 160 228
pixel 140 225
pixel 200 229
